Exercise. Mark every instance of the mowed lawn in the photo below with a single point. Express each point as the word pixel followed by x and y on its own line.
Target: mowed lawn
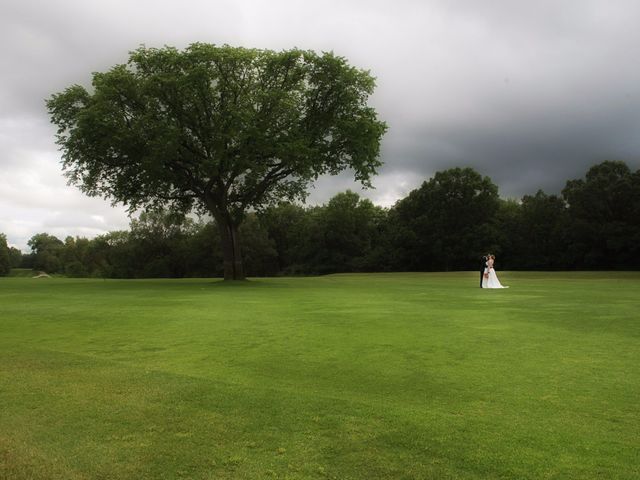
pixel 381 376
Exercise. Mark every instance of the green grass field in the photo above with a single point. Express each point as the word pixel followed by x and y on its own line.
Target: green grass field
pixel 386 376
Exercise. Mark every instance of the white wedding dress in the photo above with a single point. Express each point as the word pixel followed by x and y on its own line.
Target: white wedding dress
pixel 492 280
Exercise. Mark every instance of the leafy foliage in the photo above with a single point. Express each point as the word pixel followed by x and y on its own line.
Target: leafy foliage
pixel 47 253
pixel 605 215
pixel 5 259
pixel 442 224
pixel 447 223
pixel 217 129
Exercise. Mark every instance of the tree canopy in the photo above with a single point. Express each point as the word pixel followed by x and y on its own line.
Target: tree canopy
pixel 5 259
pixel 218 129
pixel 443 224
pixel 605 209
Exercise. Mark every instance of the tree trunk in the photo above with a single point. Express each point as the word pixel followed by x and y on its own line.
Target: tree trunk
pixel 230 238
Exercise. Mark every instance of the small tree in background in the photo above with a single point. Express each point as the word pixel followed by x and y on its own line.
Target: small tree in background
pixel 15 257
pixel 5 260
pixel 47 252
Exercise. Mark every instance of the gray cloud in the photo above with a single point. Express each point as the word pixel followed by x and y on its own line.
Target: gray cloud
pixel 528 93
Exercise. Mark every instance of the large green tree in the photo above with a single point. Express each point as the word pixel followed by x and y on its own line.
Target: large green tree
pixel 287 224
pixel 446 223
pixel 218 129
pixel 605 216
pixel 47 252
pixel 347 231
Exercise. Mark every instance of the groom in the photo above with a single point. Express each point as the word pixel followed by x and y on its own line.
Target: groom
pixel 483 264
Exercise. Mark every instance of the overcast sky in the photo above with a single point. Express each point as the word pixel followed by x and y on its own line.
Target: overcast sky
pixel 529 93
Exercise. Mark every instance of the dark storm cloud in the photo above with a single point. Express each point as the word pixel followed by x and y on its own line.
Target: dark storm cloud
pixel 528 93
pixel 525 153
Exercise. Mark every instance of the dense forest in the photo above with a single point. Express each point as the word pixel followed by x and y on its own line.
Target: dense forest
pixel 445 224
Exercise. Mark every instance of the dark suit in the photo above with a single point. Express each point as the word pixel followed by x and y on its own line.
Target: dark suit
pixel 482 267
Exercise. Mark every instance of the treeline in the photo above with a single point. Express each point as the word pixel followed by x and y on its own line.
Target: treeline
pixel 445 224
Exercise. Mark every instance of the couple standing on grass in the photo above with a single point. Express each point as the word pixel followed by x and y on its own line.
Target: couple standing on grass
pixel 488 277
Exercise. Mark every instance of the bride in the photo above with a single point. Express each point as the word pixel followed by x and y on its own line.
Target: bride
pixel 490 279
